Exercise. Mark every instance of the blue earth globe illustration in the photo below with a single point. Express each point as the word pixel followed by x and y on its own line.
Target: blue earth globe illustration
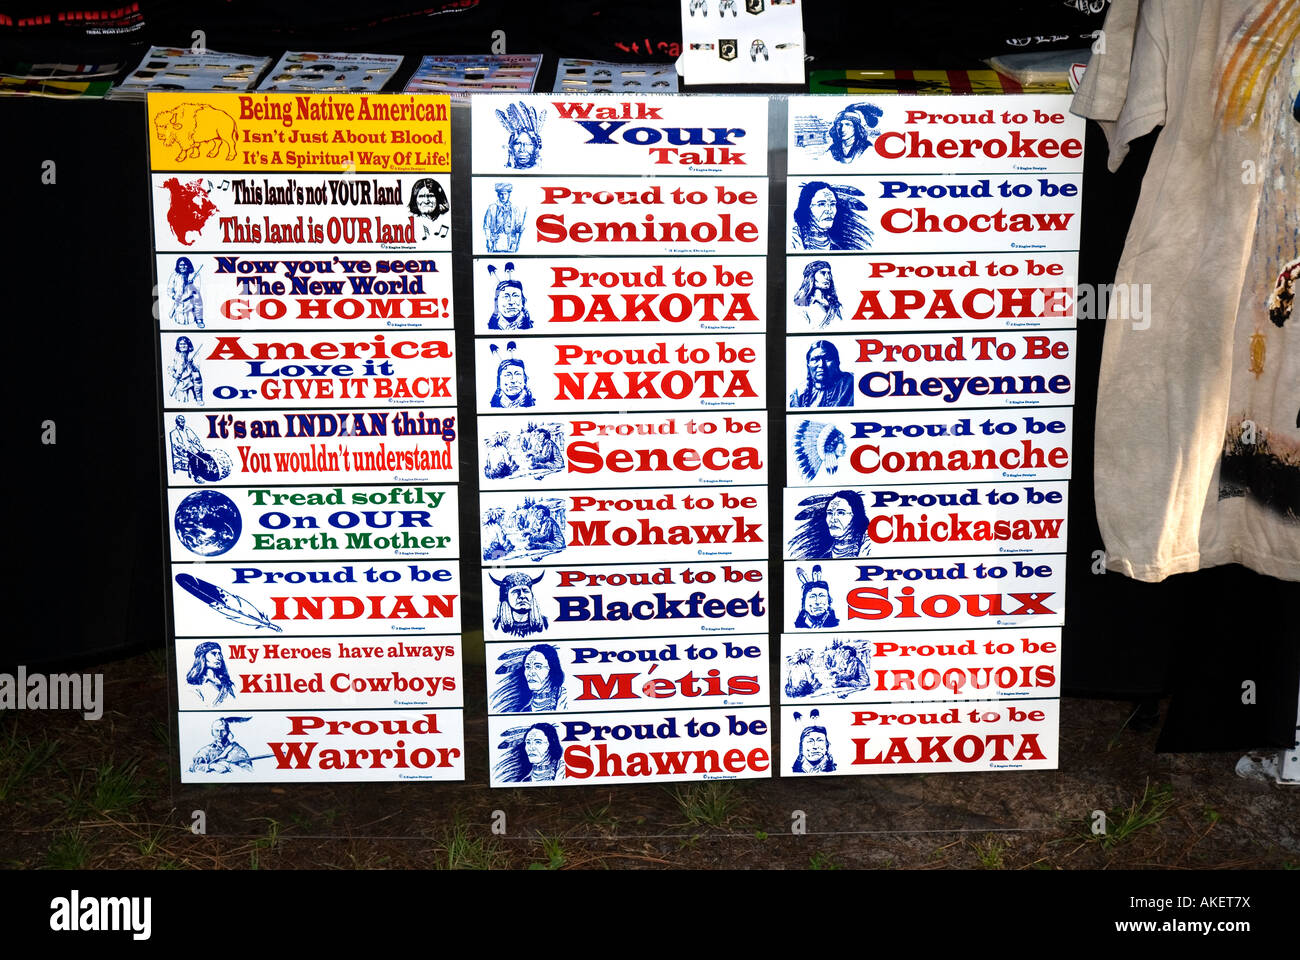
pixel 208 523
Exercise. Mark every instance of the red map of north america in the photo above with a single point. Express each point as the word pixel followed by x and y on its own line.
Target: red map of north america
pixel 188 208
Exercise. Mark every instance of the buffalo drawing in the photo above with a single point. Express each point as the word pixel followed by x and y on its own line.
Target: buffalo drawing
pixel 191 125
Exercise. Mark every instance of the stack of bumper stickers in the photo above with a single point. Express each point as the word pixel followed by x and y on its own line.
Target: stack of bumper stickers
pixel 176 68
pixel 305 72
pixel 605 76
pixel 621 392
pixel 930 372
pixel 460 76
pixel 308 376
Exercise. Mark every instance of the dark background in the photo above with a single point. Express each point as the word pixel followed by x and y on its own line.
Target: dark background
pixel 85 520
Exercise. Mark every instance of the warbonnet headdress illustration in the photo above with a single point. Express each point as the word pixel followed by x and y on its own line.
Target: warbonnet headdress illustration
pixel 817 448
pixel 524 126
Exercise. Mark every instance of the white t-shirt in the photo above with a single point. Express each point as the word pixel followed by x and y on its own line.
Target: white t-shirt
pixel 1198 411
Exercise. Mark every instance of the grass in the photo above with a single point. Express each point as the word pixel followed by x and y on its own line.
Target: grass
pixel 117 788
pixel 20 758
pixel 552 851
pixel 461 850
pixel 600 816
pixel 989 852
pixel 613 827
pixel 114 790
pixel 302 821
pixel 150 845
pixel 363 855
pixel 68 851
pixel 1146 811
pixel 264 845
pixel 1119 734
pixel 713 803
pixel 820 861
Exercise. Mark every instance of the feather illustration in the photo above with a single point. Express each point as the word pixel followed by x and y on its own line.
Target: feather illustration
pixel 513 659
pixel 224 602
pixel 521 118
pixel 809 452
pixel 813 506
pixel 512 737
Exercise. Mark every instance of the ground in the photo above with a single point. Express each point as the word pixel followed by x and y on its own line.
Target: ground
pixel 105 794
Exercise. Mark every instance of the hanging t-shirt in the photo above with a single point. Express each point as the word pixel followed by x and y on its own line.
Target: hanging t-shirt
pixel 1198 411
